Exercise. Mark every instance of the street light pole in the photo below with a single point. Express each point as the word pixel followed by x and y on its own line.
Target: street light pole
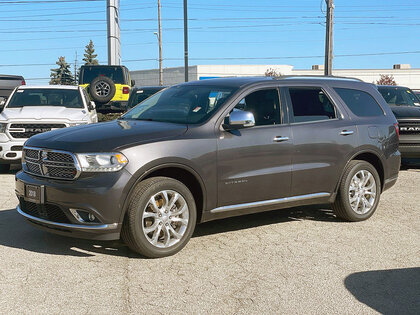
pixel 186 40
pixel 160 45
pixel 329 38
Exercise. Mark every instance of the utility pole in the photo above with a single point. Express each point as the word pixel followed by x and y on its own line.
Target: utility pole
pixel 186 40
pixel 329 38
pixel 114 33
pixel 75 68
pixel 160 45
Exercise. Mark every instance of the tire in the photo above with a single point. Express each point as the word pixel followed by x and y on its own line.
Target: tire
pixel 102 89
pixel 350 192
pixel 141 215
pixel 4 168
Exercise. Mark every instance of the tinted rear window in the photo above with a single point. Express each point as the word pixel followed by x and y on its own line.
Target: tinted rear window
pixel 360 103
pixel 311 104
pixel 90 73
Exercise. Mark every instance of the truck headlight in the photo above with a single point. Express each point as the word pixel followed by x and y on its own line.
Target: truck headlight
pixel 102 162
pixel 3 127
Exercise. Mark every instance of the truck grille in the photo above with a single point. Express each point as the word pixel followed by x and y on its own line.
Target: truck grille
pixel 24 131
pixel 409 127
pixel 46 211
pixel 50 163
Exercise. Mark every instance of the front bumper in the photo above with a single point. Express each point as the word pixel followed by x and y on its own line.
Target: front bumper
pixel 409 150
pixel 102 195
pixel 11 151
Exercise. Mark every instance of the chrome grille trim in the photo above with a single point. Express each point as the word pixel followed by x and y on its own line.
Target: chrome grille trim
pixel 36 161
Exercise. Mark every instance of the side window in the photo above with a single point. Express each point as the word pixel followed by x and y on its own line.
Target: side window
pixel 311 104
pixel 264 105
pixel 360 103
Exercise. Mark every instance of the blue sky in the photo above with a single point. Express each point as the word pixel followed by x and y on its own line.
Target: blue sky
pixel 33 35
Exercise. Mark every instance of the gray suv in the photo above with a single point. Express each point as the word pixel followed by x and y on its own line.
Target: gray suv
pixel 212 149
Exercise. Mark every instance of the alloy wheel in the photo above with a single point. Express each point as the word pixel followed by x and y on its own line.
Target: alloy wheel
pixel 165 218
pixel 362 192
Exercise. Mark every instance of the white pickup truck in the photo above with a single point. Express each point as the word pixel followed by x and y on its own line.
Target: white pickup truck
pixel 34 109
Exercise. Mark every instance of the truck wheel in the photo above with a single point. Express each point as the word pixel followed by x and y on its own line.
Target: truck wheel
pixel 102 89
pixel 160 218
pixel 358 193
pixel 4 168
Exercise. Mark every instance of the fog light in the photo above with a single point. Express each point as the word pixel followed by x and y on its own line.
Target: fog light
pixel 84 216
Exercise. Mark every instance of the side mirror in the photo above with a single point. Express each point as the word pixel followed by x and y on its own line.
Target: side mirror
pixel 2 103
pixel 91 106
pixel 239 119
pixel 133 83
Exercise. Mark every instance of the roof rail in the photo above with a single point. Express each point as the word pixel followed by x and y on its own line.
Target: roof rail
pixel 315 76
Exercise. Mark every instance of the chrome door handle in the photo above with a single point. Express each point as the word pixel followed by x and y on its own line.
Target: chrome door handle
pixel 346 132
pixel 280 139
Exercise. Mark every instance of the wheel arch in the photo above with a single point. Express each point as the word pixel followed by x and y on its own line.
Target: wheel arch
pixel 180 172
pixel 369 156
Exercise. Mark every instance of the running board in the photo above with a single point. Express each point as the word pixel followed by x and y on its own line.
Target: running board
pixel 268 202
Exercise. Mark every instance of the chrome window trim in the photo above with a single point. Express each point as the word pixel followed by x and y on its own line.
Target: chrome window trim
pixel 75 162
pixel 269 202
pixel 111 226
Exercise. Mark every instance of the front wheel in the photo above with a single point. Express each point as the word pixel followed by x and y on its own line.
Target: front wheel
pixel 160 219
pixel 358 193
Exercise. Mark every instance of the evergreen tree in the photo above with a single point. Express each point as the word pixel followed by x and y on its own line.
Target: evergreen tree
pixel 90 56
pixel 62 74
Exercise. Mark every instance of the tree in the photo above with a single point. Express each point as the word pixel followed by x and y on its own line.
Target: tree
pixel 90 56
pixel 62 74
pixel 272 73
pixel 386 79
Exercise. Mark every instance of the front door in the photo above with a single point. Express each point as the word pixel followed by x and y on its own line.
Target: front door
pixel 254 164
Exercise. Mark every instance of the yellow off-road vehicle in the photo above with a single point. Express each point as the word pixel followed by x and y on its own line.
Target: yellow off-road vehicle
pixel 108 86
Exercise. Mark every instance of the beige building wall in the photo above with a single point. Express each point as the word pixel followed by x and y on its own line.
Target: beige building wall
pixel 405 77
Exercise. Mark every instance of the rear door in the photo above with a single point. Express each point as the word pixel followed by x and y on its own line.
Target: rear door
pixel 323 139
pixel 254 164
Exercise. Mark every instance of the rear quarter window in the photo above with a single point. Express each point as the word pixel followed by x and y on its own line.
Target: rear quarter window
pixel 361 103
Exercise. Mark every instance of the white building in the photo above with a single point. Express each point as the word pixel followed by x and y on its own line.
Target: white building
pixel 403 74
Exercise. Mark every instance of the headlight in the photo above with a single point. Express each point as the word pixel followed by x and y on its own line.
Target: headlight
pixel 102 162
pixel 3 127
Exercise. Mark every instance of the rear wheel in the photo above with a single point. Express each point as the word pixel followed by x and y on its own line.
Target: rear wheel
pixel 160 218
pixel 4 168
pixel 358 193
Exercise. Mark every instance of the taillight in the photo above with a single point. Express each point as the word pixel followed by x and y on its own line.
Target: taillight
pixel 397 129
pixel 23 82
pixel 126 90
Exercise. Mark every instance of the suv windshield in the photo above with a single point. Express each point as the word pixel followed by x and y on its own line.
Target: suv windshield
pixel 186 104
pixel 89 73
pixel 46 97
pixel 399 96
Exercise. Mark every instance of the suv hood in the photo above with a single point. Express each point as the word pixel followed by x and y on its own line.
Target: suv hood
pixel 44 113
pixel 406 111
pixel 106 136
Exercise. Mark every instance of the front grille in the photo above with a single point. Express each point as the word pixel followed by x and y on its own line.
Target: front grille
pixel 50 163
pixel 46 211
pixel 409 144
pixel 23 131
pixel 17 148
pixel 407 127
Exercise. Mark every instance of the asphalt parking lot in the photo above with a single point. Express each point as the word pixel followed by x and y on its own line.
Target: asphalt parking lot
pixel 300 260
